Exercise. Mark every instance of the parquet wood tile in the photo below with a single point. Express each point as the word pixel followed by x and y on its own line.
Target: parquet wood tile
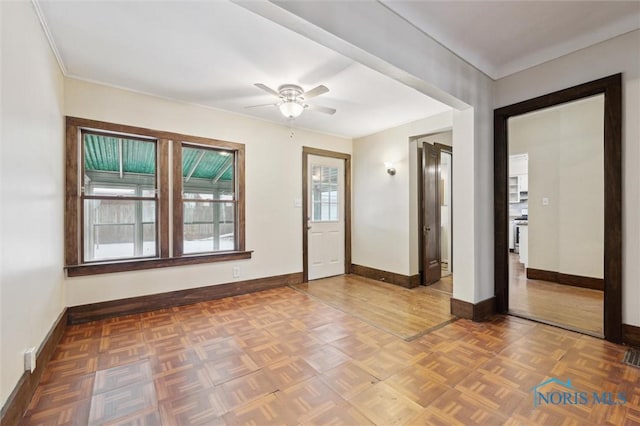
pixel 457 408
pixel 268 410
pixel 383 364
pixel 72 414
pixel 52 395
pixel 177 383
pixel 348 379
pixel 383 405
pixel 325 358
pixel 510 373
pixel 150 417
pixel 442 369
pixel 115 404
pixel 310 398
pixel 343 415
pixel 284 357
pixel 113 378
pixel 122 340
pixel 218 348
pixel 125 324
pixel 123 355
pixel 230 367
pixel 491 393
pixel 162 364
pixel 247 388
pixel 417 384
pixel 289 371
pixel 196 408
pixel 69 369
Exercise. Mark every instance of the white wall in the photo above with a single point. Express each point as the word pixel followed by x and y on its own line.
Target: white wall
pixel 566 153
pixel 273 182
pixel 373 35
pixel 620 54
pixel 31 186
pixel 385 218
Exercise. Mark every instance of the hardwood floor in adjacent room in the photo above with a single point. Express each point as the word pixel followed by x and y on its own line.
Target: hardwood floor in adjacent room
pixel 407 313
pixel 579 309
pixel 283 357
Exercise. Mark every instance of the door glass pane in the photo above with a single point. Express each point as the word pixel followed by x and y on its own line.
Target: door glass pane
pixel 208 227
pixel 324 193
pixel 119 229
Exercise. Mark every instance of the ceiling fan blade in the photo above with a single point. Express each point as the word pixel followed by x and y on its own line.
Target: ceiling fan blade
pixel 267 89
pixel 261 105
pixel 317 91
pixel 322 109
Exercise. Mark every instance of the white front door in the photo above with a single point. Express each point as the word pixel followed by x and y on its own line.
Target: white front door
pixel 326 216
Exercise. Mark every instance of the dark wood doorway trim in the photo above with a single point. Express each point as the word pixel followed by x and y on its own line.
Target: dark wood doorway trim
pixel 611 87
pixel 306 151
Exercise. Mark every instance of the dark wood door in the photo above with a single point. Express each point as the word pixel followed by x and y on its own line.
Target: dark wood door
pixel 431 220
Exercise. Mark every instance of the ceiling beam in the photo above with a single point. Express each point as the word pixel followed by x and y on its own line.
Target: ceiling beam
pixel 224 169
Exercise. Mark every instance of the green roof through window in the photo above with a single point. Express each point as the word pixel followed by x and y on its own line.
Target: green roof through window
pixel 208 163
pixel 102 153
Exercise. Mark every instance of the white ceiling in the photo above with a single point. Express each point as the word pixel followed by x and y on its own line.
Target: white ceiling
pixel 212 52
pixel 504 37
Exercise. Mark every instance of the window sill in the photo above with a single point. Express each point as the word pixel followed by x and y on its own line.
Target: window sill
pixel 137 265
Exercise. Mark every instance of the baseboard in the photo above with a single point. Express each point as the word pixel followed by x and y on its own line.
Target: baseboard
pixel 387 277
pixel 477 312
pixel 567 279
pixel 631 335
pixel 152 302
pixel 18 402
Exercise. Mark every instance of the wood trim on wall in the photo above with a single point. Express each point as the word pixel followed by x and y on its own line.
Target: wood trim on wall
pixel 631 335
pixel 72 200
pixel 142 264
pixel 386 276
pixel 178 224
pixel 18 402
pixel 306 151
pixel 611 87
pixel 567 279
pixel 473 311
pixel 163 197
pixel 134 305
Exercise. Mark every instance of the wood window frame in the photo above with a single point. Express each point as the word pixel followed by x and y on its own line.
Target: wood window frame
pixel 239 211
pixel 73 218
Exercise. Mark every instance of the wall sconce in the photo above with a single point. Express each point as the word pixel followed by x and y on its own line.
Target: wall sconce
pixel 390 169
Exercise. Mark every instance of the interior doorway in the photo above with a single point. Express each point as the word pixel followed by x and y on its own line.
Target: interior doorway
pixel 561 248
pixel 435 166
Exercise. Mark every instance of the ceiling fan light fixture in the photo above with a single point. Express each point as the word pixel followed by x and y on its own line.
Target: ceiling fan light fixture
pixel 291 109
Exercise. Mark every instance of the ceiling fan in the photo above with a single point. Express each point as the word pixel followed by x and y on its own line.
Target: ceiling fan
pixel 293 100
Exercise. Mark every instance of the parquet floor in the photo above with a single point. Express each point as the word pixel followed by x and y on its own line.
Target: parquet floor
pixel 575 308
pixel 283 357
pixel 407 313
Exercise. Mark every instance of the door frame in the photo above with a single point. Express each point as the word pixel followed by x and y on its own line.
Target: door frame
pixel 443 148
pixel 306 152
pixel 611 87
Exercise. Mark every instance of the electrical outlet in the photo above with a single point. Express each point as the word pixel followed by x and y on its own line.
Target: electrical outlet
pixel 545 201
pixel 30 359
pixel 236 272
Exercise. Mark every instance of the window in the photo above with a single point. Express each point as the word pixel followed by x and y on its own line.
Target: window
pixel 324 193
pixel 117 199
pixel 208 199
